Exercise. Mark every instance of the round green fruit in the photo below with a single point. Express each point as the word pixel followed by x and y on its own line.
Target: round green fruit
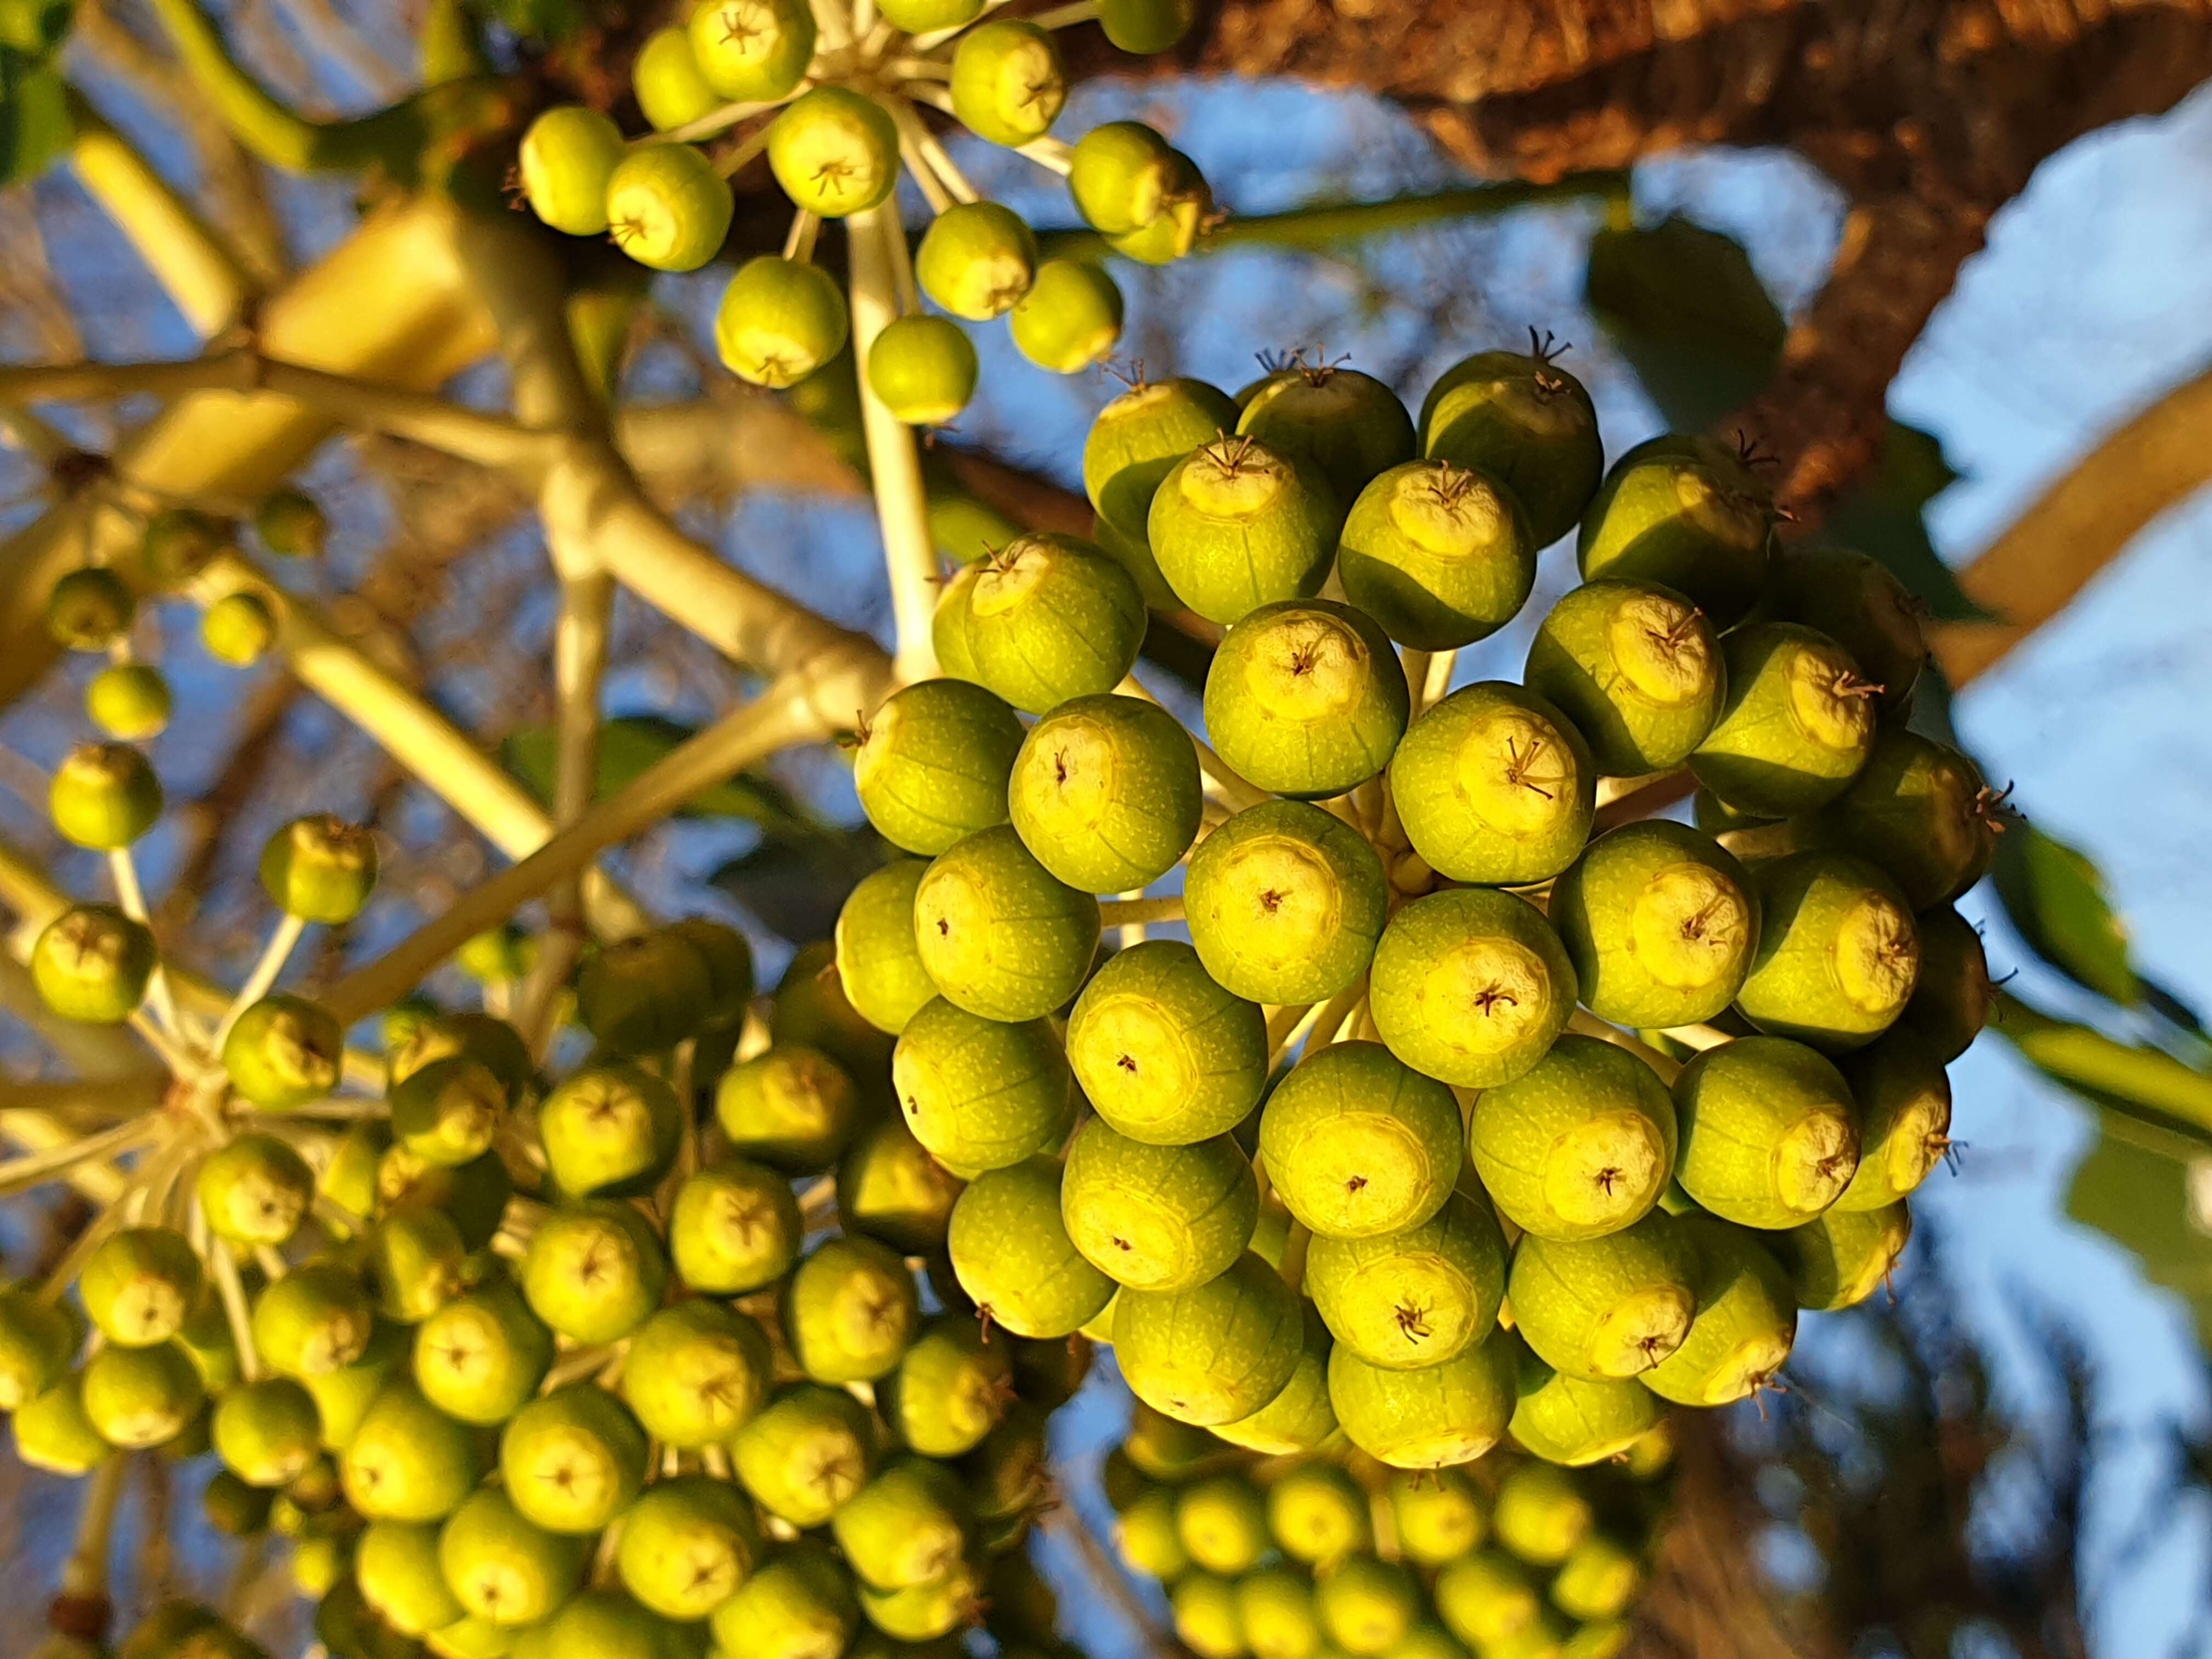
pixel 1542 1513
pixel 1428 1419
pixel 779 320
pixel 610 1129
pixel 905 1527
pixel 104 796
pixel 1414 1298
pixel 594 1270
pixel 1366 1605
pixel 89 609
pixel 736 1228
pixel 1636 667
pixel 799 1605
pixel 1488 1600
pixel 667 208
pixel 1495 786
pixel 1687 512
pixel 448 1112
pixel 1158 1218
pixel 1234 525
pixel 475 1194
pixel 1318 1514
pixel 417 1261
pixel 1284 903
pixel 1184 216
pixel 52 1432
pixel 482 1356
pixel 320 868
pixel 670 89
pixel 569 154
pixel 1206 1616
pixel 641 995
pixel 1349 426
pixel 1070 318
pixel 142 1396
pixel 292 525
pixel 179 544
pixel 696 1373
pixel 139 1285
pixel 1845 1257
pixel 1746 1320
pixel 91 963
pixel 407 1460
pixel 1600 1579
pixel 1163 1052
pixel 1124 176
pixel 1145 1537
pixel 889 1187
pixel 976 260
pixel 606 1625
pixel 999 934
pixel 1919 810
pixel 1215 1352
pixel 572 1459
pixel 810 1007
pixel 790 1107
pixel 1857 602
pixel 1471 987
pixel 1014 1257
pixel 1105 794
pixel 835 152
pixel 1300 1417
pixel 1436 554
pixel 503 1568
pixel 239 629
pixel 950 1388
pixel 879 955
pixel 1275 1609
pixel 1904 1117
pixel 396 1564
pixel 1008 83
pixel 1522 419
pixel 345 1393
pixel 129 701
pixel 1577 1421
pixel 1137 440
pixel 806 1455
pixel 686 1546
pixel 753 51
pixel 1358 1145
pixel 1952 998
pixel 1050 617
pixel 314 1320
pixel 1798 725
pixel 923 369
pixel 1838 955
pixel 850 1311
pixel 1306 699
pixel 283 1052
pixel 1662 925
pixel 1146 26
pixel 1436 1514
pixel 1222 1525
pixel 1606 1308
pixel 980 1094
pixel 37 1340
pixel 1581 1145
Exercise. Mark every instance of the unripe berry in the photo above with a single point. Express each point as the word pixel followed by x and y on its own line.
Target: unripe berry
pixel 1012 1254
pixel 52 1432
pixel 889 1187
pixel 1917 809
pixel 314 1320
pixel 1158 1218
pixel 1165 1053
pixel 671 90
pixel 667 208
pixel 1070 318
pixel 1600 1580
pixel 396 1565
pixel 729 962
pixel 924 1614
pixel 267 1432
pixel 1844 1257
pixel 1746 1325
pixel 139 1284
pixel 1636 667
pixel 753 51
pixel 129 701
pixel 1951 999
pixel 1471 986
pixel 481 1356
pixel 1857 602
pixel 1437 554
pixel 1580 1145
pixel 37 1339
pixel 1284 903
pixel 1008 83
pixel 790 1107
pixel 283 1052
pixel 1904 1100
pixel 835 152
pixel 979 1093
pixel 572 1460
pixel 1438 1518
pixel 686 1546
pixel 1348 425
pixel 1838 954
pixel 1051 617
pixel 933 764
pixel 1300 1417
pixel 1306 698
pixel 610 1129
pixel 1137 440
pixel 418 1263
pixel 1428 1419
pixel 1798 726
pixel 501 1567
pixel 104 796
pixel 255 1191
pixel 1688 513
pixel 1576 1421
pixel 736 1228
pixel 89 609
pixel 1146 26
pixel 999 934
pixel 471 1035
pixel 950 1388
pixel 1206 1618
pixel 568 155
pixel 811 1008
pixel 1186 216
pixel 644 994
pixel 1235 526
pixel 1606 1308
pixel 976 260
pixel 850 1311
pixel 878 957
pixel 697 1373
pixel 804 1457
pixel 291 525
pixel 1105 794
pixel 594 1270
pixel 799 1605
pixel 179 544
pixel 1494 785
pixel 238 628
pixel 142 1396
pixel 320 868
pixel 1542 1513
pixel 1661 924
pixel 91 963
pixel 1123 175
pixel 923 368
pixel 1522 421
pixel 1215 1352
pixel 1367 1605
pixel 780 320
pixel 1358 1145
pixel 474 1194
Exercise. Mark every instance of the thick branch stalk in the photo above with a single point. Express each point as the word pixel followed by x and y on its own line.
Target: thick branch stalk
pixel 200 273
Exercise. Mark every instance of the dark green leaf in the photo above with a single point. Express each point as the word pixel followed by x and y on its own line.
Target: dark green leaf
pixel 1684 306
pixel 35 127
pixel 2056 899
pixel 2146 1086
pixel 1885 517
pixel 629 745
pixel 2139 1193
pixel 796 888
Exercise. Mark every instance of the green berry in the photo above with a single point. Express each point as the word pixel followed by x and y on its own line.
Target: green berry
pixel 1414 1298
pixel 696 1373
pixel 319 868
pixel 928 16
pixel 780 320
pixel 1660 923
pixel 1284 903
pixel 1541 1513
pixel 1838 955
pixel 1123 176
pixel 905 1527
pixel 1317 1514
pixel 1487 1598
pixel 314 1320
pixel 1857 602
pixel 500 1567
pixel 686 1546
pixel 1158 1218
pixel 1206 1616
pixel 1306 698
pixel 1746 1320
pixel 1437 1515
pixel 53 1433
pixel 481 1357
pixel 1214 1353
pixel 1522 419
pixel 1919 810
pixel 448 1112
pixel 667 208
pixel 1687 512
pixel 850 1311
pixel 1166 1055
pixel 1495 786
pixel 835 152
pixel 1366 1605
pixel 799 1605
pixel 736 1228
pixel 920 1618
pixel 670 89
pixel 645 995
pixel 1235 523
pixel 1222 1525
pixel 1013 1256
pixel 1070 318
pixel 104 796
pixel 37 1339
pixel 605 1624
pixel 1798 725
pixel 139 1284
pixel 1600 1579
pixel 417 1261
pixel 1358 1145
pixel 1471 987
pixel 89 609
pixel 129 701
pixel 1185 215
pixel 1576 1421
pixel 1844 1257
pixel 292 525
pixel 142 1396
pixel 283 1052
pixel 1105 794
pixel 1428 1419
pixel 1637 668
pixel 396 1564
pixel 889 1187
pixel 475 1037
pixel 179 544
pixel 206 1336
pixel 923 368
pixel 753 51
pixel 91 963
pixel 319 1563
pixel 1008 83
pixel 572 1459
pixel 934 764
pixel 1952 998
pixel 1580 1145
pixel 878 957
pixel 1145 1537
pixel 1436 554
pixel 1347 425
pixel 569 155
pixel 1904 1118
pixel 594 1270
pixel 980 1094
pixel 790 1107
pixel 1051 617
pixel 1138 438
pixel 1275 1609
pixel 475 1194
pixel 610 1129
pixel 1146 26
pixel 949 1390
pixel 238 629
pixel 1300 1417
pixel 805 1455
pixel 1427 1641
pixel 976 260
pixel 1606 1308
pixel 407 1460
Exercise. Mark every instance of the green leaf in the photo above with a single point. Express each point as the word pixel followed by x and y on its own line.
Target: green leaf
pixel 1684 306
pixel 2056 899
pixel 2144 1195
pixel 2145 1086
pixel 36 127
pixel 629 745
pixel 1885 517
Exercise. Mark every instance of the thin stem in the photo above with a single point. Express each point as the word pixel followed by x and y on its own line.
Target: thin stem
pixel 925 177
pixel 864 18
pixel 1123 912
pixel 1287 1025
pixel 733 161
pixel 1590 1024
pixel 284 938
pixel 200 273
pixel 1610 790
pixel 894 462
pixel 935 159
pixel 1065 17
pixel 721 120
pixel 799 241
pixel 832 23
pixel 1055 154
pixel 1700 1037
pixel 919 68
pixel 21 1174
pixel 132 897
pixel 224 1266
pixel 937 38
pixel 909 299
pixel 1133 932
pixel 85 1574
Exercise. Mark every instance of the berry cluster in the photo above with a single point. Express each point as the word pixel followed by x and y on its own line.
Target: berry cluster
pixel 1339 1556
